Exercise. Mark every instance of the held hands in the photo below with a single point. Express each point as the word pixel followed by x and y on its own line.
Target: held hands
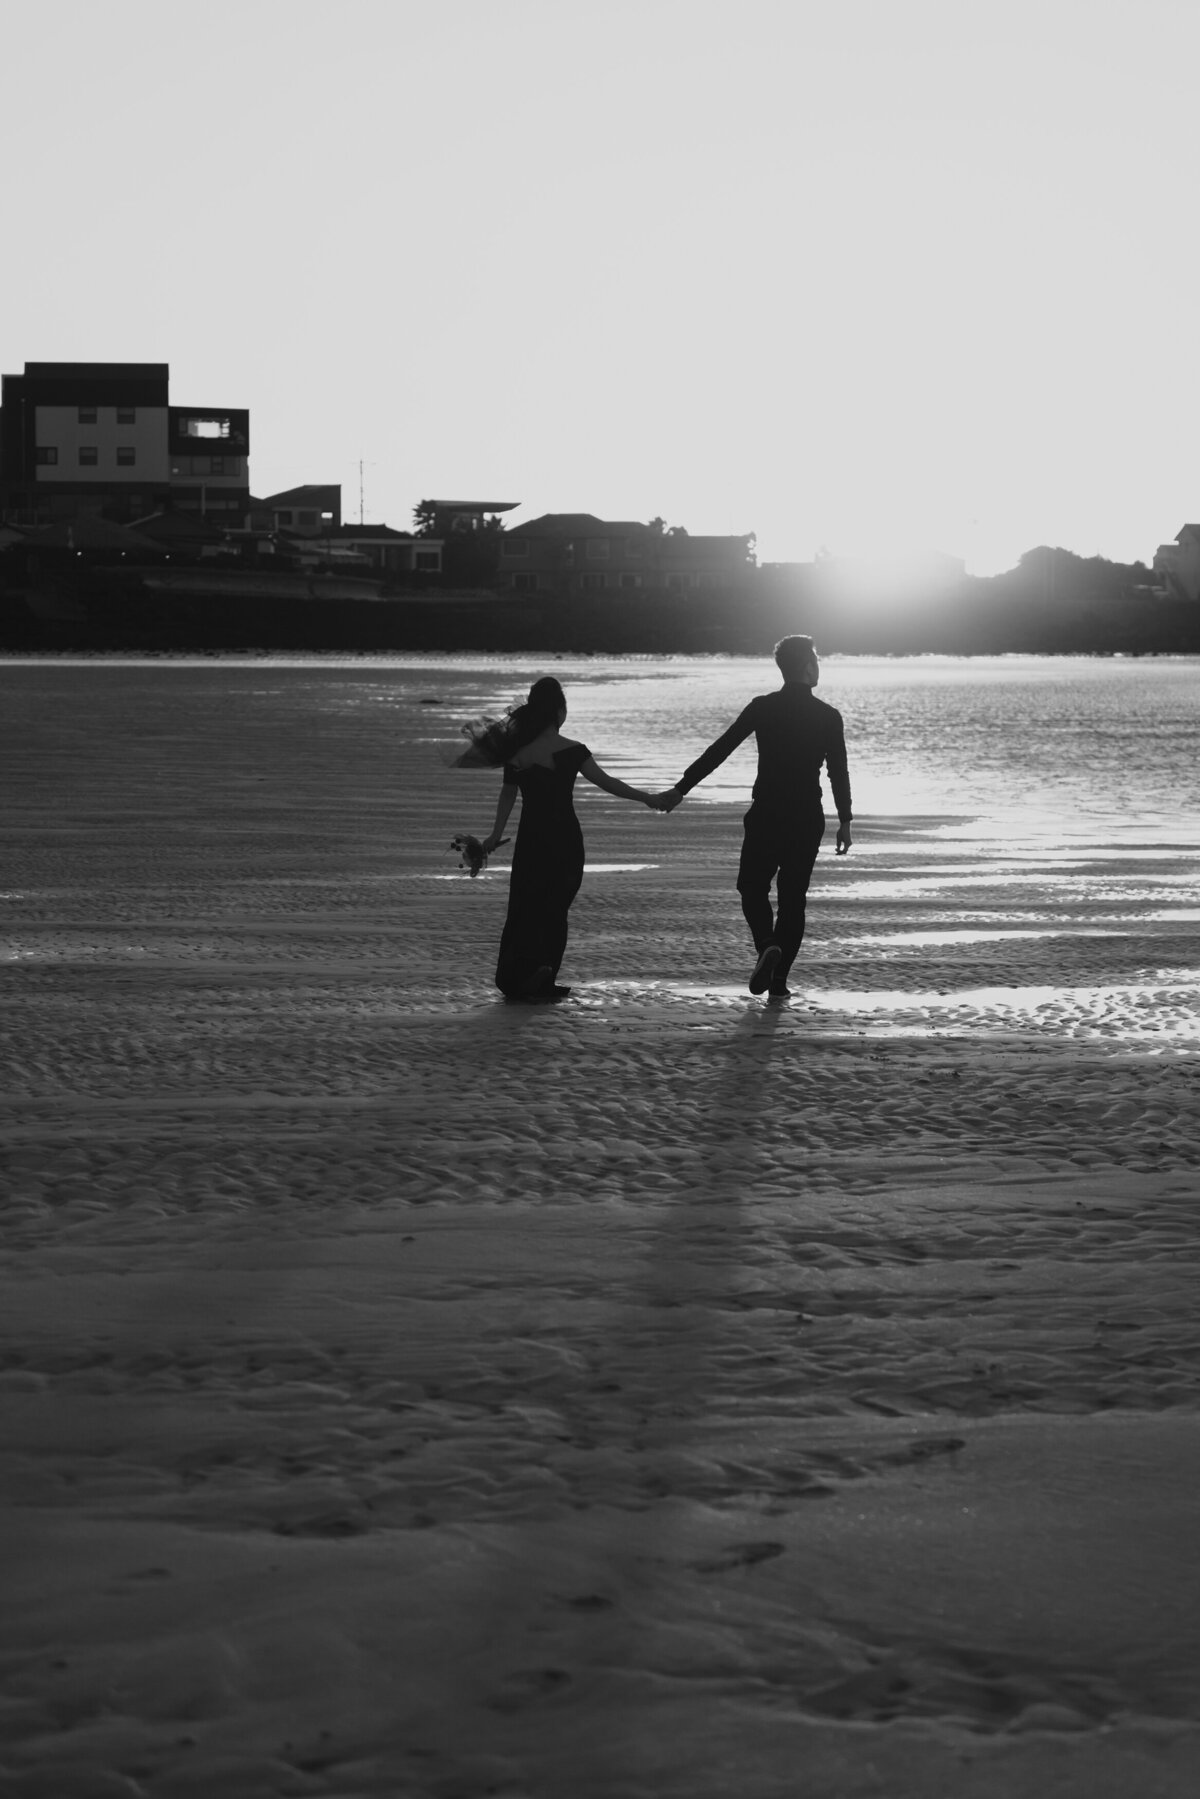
pixel 844 839
pixel 665 802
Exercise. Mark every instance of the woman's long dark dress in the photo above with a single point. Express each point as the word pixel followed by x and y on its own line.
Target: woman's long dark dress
pixel 547 870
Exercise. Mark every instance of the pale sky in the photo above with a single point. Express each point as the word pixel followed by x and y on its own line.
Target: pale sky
pixel 867 274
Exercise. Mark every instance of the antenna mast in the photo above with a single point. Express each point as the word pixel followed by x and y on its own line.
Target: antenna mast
pixel 360 492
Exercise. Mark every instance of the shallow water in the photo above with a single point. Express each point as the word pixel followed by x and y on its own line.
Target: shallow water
pixel 1046 745
pixel 1024 827
pixel 1043 743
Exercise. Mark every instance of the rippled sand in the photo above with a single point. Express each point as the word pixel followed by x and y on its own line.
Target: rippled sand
pixel 664 1393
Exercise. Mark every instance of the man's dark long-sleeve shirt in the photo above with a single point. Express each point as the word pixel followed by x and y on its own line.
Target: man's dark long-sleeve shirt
pixel 796 733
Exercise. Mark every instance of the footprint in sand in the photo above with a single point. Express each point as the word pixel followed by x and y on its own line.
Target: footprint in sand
pixel 738 1555
pixel 526 1685
pixel 923 1450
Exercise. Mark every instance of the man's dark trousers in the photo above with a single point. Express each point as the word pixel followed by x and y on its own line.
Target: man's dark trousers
pixel 779 847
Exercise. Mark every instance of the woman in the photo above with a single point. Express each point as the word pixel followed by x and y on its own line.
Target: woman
pixel 540 764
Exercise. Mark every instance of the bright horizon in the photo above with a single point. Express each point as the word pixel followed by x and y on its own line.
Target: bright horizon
pixel 871 277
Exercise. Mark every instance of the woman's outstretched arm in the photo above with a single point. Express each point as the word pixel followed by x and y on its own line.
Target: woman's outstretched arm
pixel 504 805
pixel 592 771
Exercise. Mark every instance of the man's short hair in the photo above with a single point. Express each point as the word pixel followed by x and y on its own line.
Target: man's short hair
pixel 791 654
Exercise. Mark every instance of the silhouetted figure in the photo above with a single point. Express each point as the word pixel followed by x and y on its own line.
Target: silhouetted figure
pixel 540 765
pixel 796 733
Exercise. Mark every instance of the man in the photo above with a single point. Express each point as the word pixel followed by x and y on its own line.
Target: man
pixel 796 733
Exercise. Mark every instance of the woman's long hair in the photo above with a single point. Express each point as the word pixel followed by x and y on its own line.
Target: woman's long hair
pixel 494 741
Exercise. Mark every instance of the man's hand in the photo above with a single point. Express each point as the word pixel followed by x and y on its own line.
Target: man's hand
pixel 844 839
pixel 667 802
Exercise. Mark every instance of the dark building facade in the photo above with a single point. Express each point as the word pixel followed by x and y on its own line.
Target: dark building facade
pixel 313 510
pixel 569 553
pixel 392 552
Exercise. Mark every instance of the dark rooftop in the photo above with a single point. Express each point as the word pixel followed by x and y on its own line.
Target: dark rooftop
pixel 121 371
pixel 473 505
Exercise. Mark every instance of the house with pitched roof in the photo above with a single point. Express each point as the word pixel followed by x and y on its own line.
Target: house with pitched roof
pixel 312 510
pixel 1177 564
pixel 391 552
pixel 576 553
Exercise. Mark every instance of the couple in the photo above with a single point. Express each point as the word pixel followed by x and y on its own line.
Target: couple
pixel 796 733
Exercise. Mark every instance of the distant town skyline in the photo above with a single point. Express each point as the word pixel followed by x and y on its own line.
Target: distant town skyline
pixel 871 277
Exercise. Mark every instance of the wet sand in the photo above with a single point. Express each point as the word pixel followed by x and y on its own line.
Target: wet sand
pixel 664 1393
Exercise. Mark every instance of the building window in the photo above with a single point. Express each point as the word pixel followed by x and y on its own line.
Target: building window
pixel 127 415
pixel 87 415
pixel 514 552
pixel 283 518
pixel 46 456
pixel 216 465
pixel 126 455
pixel 597 549
pixel 89 455
pixel 591 582
pixel 523 583
pixel 204 427
pixel 631 580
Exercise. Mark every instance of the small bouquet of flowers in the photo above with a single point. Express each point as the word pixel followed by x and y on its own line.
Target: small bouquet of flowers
pixel 472 855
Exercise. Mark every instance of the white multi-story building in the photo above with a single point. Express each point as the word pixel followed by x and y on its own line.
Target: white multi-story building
pixel 103 437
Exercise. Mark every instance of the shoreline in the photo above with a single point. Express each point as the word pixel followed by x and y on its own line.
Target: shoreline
pixel 423 657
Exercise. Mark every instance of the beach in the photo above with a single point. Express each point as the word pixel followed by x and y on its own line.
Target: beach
pixel 662 1393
